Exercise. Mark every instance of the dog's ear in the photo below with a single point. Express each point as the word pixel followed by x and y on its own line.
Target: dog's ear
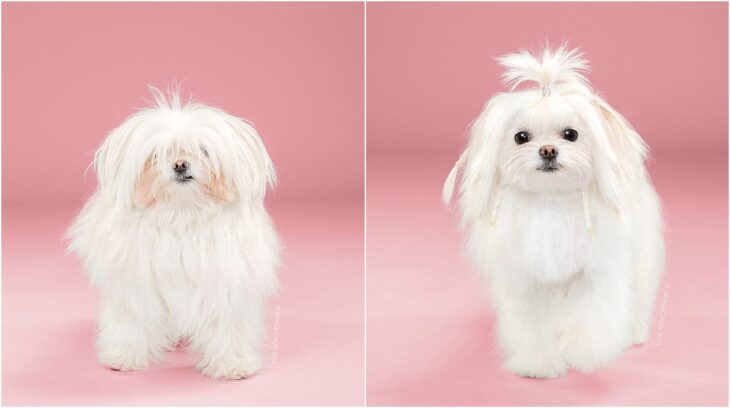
pixel 619 156
pixel 117 170
pixel 478 163
pixel 104 165
pixel 144 191
pixel 219 189
pixel 258 168
pixel 450 183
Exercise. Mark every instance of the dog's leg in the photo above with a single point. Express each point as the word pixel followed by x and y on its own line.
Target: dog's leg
pixel 229 341
pixel 647 282
pixel 650 262
pixel 594 322
pixel 131 333
pixel 530 349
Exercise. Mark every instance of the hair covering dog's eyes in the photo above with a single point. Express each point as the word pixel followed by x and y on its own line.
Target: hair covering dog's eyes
pixel 522 137
pixel 570 135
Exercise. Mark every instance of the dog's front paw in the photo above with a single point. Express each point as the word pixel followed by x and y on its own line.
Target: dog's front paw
pixel 234 368
pixel 641 333
pixel 587 350
pixel 122 361
pixel 534 366
pixel 535 371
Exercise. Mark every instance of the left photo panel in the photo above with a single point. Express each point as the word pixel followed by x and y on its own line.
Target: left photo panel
pixel 182 204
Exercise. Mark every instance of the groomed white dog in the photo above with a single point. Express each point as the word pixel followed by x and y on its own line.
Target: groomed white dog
pixel 177 239
pixel 561 218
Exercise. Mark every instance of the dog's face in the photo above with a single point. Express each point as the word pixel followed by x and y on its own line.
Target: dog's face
pixel 546 146
pixel 182 172
pixel 183 156
pixel 556 136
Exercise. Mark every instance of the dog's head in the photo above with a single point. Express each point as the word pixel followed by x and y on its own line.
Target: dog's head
pixel 182 155
pixel 556 136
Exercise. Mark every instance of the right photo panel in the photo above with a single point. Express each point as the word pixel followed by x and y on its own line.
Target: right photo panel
pixel 547 189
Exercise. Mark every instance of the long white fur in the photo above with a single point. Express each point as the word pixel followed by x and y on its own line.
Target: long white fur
pixel 574 257
pixel 187 267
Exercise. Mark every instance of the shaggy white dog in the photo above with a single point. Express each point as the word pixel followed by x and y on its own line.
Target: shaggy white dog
pixel 177 239
pixel 561 217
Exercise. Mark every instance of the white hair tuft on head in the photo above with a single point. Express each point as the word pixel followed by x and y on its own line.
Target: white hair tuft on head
pixel 169 98
pixel 552 67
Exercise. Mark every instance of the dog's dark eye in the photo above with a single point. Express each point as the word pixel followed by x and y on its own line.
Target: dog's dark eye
pixel 522 137
pixel 570 135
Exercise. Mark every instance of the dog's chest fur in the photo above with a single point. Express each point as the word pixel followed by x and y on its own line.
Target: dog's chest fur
pixel 543 234
pixel 190 264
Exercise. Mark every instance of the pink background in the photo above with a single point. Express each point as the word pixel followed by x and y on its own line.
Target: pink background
pixel 72 72
pixel 430 69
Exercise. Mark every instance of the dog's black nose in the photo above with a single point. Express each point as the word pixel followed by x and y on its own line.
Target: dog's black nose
pixel 180 166
pixel 549 152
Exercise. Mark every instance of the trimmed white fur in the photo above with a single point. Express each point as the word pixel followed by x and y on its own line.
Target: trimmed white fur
pixel 573 257
pixel 180 258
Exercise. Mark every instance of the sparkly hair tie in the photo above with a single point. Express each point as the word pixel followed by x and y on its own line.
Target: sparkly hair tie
pixel 546 91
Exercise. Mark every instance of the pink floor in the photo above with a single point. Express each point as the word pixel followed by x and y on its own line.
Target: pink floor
pixel 429 339
pixel 316 323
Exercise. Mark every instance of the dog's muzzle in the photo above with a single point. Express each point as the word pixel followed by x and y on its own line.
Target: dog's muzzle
pixel 549 165
pixel 181 171
pixel 549 155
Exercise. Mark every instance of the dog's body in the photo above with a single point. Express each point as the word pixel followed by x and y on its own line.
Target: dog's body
pixel 181 255
pixel 566 230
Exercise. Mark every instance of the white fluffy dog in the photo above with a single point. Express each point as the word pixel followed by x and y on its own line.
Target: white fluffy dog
pixel 561 217
pixel 177 239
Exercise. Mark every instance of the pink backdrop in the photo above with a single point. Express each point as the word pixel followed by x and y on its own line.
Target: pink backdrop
pixel 430 68
pixel 72 72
